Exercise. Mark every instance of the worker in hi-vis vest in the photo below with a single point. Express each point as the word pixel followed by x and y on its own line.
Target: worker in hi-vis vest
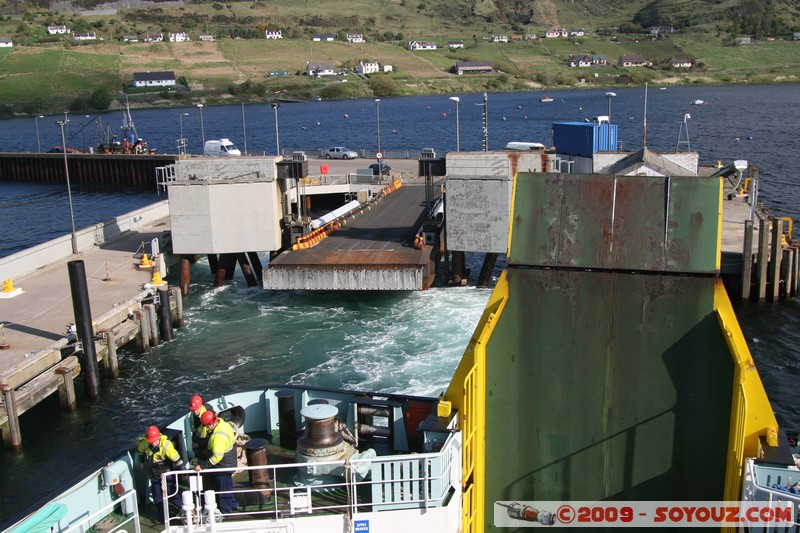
pixel 158 457
pixel 222 454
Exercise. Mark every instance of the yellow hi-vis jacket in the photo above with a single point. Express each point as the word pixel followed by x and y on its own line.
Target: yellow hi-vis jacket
pixel 222 445
pixel 154 457
pixel 199 431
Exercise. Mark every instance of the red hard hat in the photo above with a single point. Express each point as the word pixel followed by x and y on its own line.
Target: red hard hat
pixel 195 403
pixel 152 435
pixel 208 418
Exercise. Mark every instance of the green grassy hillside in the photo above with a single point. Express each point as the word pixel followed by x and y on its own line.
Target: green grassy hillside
pixel 50 73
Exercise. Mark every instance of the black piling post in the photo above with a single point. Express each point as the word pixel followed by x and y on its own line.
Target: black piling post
pixel 83 326
pixel 164 314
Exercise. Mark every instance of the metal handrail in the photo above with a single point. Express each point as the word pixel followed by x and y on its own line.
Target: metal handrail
pixel 752 490
pixel 447 457
pixel 86 523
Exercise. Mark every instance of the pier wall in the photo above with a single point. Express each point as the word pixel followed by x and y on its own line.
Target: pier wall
pixel 91 170
pixel 32 259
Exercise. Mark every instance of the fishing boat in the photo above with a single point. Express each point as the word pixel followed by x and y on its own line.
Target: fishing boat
pixel 698 102
pixel 545 99
pixel 657 398
pixel 127 141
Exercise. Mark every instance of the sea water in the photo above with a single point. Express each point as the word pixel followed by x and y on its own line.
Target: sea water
pixel 238 338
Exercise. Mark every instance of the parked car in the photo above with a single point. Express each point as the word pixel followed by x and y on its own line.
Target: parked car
pixel 381 168
pixel 340 152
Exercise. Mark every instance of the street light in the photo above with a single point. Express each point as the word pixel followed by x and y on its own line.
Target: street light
pixel 379 154
pixel 38 142
pixel 202 129
pixel 244 128
pixel 610 95
pixel 457 100
pixel 181 140
pixel 63 123
pixel 275 106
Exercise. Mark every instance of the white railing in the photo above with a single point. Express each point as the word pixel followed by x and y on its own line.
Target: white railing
pixel 757 487
pixel 127 500
pixel 408 481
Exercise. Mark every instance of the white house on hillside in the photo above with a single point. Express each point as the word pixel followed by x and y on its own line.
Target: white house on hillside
pixel 273 34
pixel 421 45
pixel 5 41
pixel 153 79
pixel 179 37
pixel 92 36
pixel 355 38
pixel 58 29
pixel 323 68
pixel 368 67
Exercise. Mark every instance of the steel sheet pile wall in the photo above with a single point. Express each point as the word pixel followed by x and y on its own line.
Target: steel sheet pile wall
pixel 98 170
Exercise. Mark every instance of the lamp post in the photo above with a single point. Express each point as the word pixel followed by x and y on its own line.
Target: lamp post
pixel 275 106
pixel 610 95
pixel 38 142
pixel 63 123
pixel 202 128
pixel 244 128
pixel 378 116
pixel 379 154
pixel 457 100
pixel 181 140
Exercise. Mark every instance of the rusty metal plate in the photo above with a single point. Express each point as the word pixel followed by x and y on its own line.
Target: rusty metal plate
pixel 661 224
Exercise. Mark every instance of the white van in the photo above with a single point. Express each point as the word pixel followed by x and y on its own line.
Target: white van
pixel 222 147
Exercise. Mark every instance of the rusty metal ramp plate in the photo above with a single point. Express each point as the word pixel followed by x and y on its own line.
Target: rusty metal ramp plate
pixel 373 250
pixel 642 223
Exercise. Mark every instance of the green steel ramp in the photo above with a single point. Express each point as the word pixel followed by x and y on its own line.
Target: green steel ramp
pixel 608 364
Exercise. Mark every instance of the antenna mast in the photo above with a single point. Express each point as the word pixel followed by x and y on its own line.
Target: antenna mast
pixel 684 126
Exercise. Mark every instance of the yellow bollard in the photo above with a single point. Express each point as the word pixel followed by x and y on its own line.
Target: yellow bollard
pixel 157 279
pixel 8 285
pixel 145 262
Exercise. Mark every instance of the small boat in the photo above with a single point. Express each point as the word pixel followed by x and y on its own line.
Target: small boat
pixel 545 99
pixel 698 102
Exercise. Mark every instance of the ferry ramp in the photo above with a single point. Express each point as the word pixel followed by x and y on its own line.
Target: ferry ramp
pixel 373 250
pixel 608 364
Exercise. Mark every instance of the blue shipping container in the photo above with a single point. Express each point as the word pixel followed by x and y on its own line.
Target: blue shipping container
pixel 584 138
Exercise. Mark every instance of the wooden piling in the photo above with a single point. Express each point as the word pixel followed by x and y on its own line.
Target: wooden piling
pixel 747 260
pixel 775 255
pixel 177 321
pixel 144 330
pixel 164 314
pixel 787 272
pixel 150 314
pixel 112 364
pixel 229 260
pixel 66 390
pixel 763 254
pixel 12 437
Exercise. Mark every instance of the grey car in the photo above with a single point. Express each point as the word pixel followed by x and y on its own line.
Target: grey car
pixel 340 152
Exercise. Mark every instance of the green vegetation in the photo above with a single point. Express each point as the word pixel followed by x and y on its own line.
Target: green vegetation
pixel 50 73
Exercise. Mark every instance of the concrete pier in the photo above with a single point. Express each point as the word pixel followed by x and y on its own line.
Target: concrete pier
pixel 39 355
